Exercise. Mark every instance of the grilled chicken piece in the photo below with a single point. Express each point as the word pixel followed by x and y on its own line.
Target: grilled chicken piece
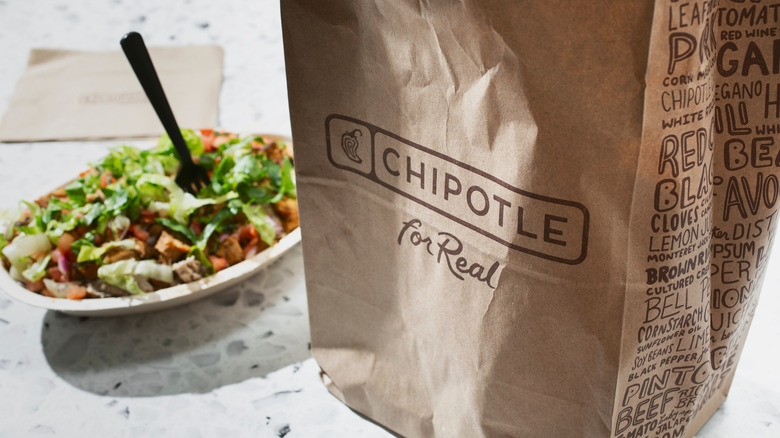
pixel 230 250
pixel 144 284
pixel 154 233
pixel 142 249
pixel 114 255
pixel 189 269
pixel 287 210
pixel 277 152
pixel 170 247
pixel 86 271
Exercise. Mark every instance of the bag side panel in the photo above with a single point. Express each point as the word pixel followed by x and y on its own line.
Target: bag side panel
pixel 703 215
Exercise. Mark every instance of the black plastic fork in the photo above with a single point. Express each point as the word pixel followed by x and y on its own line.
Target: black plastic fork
pixel 191 177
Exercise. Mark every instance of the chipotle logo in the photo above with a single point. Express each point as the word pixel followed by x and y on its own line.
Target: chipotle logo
pixel 550 228
pixel 350 144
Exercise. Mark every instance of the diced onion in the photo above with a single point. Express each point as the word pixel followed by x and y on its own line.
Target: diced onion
pixel 7 219
pixel 59 290
pixel 119 223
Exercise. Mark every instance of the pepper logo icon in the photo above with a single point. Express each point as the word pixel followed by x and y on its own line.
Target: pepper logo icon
pixel 350 144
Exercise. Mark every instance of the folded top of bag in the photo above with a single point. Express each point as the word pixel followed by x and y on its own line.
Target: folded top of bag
pixel 79 95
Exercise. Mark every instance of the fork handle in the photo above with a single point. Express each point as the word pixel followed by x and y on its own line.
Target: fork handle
pixel 136 53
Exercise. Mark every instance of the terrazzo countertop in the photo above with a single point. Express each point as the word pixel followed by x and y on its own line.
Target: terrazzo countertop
pixel 237 363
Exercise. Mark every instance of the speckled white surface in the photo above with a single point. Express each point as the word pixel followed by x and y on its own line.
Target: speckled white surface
pixel 236 364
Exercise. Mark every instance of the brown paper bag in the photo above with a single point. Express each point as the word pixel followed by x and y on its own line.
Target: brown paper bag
pixel 534 219
pixel 84 95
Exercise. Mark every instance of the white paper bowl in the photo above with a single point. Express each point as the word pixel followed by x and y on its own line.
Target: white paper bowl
pixel 163 298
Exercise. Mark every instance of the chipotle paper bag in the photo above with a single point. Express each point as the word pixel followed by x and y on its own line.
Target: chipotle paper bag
pixel 536 219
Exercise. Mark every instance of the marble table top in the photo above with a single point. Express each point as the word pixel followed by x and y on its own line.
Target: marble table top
pixel 237 363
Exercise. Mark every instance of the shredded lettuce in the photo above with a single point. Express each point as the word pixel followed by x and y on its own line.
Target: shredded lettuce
pixel 194 143
pixel 7 220
pixel 23 246
pixel 117 199
pixel 151 193
pixel 201 257
pixel 182 204
pixel 119 223
pixel 117 269
pixel 88 253
pixel 91 213
pixel 153 270
pixel 37 270
pixel 287 179
pixel 255 178
pixel 143 268
pixel 259 195
pixel 77 191
pixel 131 163
pixel 122 274
pixel 114 162
pixel 231 209
pixel 246 169
pixel 258 217
pixel 36 225
pixel 87 239
pixel 127 283
pixel 159 207
pixel 54 210
pixel 238 148
pixel 55 229
pixel 175 226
